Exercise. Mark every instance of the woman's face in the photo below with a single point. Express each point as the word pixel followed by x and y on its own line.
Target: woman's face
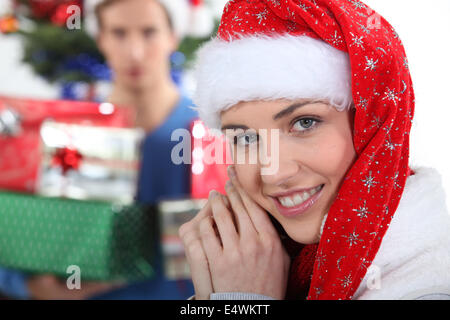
pixel 137 41
pixel 315 150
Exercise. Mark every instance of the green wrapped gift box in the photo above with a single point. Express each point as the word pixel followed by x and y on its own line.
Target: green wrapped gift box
pixel 47 235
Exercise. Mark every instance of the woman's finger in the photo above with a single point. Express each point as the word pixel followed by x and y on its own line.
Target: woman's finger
pixel 204 212
pixel 210 240
pixel 200 273
pixel 244 224
pixel 195 255
pixel 258 215
pixel 224 220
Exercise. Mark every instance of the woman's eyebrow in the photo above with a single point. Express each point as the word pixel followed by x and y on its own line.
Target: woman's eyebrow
pixel 291 109
pixel 234 127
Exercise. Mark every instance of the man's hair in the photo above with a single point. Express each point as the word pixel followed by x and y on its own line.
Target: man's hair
pixel 99 8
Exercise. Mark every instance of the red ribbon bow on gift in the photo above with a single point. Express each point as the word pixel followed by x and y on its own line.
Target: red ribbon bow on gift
pixel 67 158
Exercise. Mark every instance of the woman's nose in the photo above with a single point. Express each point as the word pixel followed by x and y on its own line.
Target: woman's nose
pixel 280 165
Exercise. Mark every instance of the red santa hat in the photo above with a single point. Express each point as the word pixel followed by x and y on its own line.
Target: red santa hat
pixel 341 51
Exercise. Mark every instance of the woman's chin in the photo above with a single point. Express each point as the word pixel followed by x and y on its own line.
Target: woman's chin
pixel 302 232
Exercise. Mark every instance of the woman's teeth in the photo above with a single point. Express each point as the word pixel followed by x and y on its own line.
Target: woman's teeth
pixel 298 198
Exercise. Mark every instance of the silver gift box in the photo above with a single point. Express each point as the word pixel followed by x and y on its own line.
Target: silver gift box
pixel 108 168
pixel 172 214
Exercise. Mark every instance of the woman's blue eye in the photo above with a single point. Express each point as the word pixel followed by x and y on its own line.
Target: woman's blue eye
pixel 245 139
pixel 304 124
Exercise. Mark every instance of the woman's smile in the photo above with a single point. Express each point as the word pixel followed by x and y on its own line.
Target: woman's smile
pixel 296 202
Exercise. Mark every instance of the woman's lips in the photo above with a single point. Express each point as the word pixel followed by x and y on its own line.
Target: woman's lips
pixel 296 203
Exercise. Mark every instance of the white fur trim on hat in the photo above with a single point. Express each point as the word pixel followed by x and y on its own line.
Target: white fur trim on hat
pixel 269 68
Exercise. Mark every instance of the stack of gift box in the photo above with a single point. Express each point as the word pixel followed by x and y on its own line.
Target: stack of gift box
pixel 68 176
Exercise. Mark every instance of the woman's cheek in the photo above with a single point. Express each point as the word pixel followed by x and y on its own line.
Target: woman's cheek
pixel 248 176
pixel 335 159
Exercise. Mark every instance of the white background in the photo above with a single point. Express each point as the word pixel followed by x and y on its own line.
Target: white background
pixel 424 28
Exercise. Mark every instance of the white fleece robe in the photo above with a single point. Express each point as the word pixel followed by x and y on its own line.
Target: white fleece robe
pixel 413 261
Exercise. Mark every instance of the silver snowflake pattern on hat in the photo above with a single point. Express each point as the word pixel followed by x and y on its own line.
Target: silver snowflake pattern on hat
pixel 405 63
pixel 362 103
pixel 352 238
pixel 276 3
pixel 336 39
pixel 357 4
pixel 346 281
pixel 261 16
pixel 369 182
pixel 364 28
pixel 395 178
pixel 304 7
pixel 391 95
pixel 376 122
pixel 237 18
pixel 344 9
pixel 365 263
pixel 320 259
pixel 362 211
pixel 371 158
pixel 371 64
pixel 357 41
pixel 318 291
pixel 389 145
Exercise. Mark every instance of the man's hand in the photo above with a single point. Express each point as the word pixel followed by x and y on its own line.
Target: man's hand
pixel 49 287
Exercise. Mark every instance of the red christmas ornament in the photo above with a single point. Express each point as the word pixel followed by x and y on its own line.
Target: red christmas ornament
pixel 62 12
pixel 67 159
pixel 42 8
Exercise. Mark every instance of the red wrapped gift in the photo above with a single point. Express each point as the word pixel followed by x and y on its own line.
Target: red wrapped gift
pixel 210 158
pixel 20 122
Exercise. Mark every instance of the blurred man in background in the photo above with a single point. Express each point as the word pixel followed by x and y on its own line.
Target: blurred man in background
pixel 137 37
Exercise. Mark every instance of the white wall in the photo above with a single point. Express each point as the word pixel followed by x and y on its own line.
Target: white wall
pixel 17 78
pixel 423 27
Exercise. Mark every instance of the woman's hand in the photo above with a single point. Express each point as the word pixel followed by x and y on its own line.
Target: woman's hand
pixel 240 248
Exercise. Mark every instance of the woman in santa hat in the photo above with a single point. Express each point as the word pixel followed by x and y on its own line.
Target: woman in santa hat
pixel 342 216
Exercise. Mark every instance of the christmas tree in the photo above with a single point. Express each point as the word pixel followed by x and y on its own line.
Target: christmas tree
pixel 59 48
